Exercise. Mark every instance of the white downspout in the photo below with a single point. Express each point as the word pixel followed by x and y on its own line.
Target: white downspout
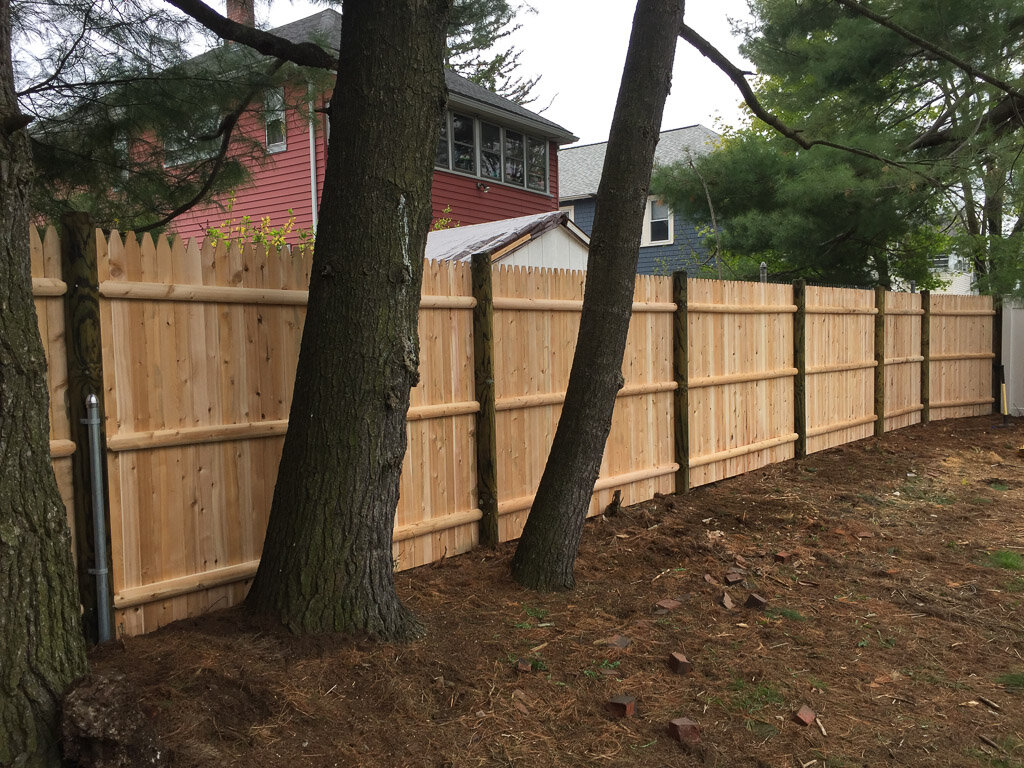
pixel 312 161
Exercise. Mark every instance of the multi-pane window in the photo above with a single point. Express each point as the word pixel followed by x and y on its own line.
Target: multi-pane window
pixel 657 223
pixel 492 152
pixel 463 144
pixel 274 119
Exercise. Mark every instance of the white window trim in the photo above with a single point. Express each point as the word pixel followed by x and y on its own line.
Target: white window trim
pixel 279 146
pixel 645 238
pixel 570 210
pixel 478 149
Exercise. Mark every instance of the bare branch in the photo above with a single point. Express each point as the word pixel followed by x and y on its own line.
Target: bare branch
pixel 735 74
pixel 304 54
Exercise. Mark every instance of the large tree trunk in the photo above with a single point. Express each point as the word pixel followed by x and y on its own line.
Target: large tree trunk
pixel 327 564
pixel 41 646
pixel 547 550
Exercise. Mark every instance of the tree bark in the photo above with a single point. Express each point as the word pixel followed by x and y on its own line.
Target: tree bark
pixel 327 563
pixel 547 549
pixel 41 646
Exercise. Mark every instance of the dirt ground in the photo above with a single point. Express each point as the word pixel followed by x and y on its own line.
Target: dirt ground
pixel 898 618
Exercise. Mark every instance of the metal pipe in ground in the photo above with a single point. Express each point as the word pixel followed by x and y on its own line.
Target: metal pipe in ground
pixel 99 519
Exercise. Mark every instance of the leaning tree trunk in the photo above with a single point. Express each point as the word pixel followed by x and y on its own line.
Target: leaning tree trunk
pixel 547 550
pixel 327 564
pixel 41 645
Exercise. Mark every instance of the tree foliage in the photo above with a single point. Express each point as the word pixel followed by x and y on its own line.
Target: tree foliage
pixel 477 47
pixel 925 91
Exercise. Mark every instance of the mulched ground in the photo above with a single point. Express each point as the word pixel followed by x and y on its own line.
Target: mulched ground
pixel 898 618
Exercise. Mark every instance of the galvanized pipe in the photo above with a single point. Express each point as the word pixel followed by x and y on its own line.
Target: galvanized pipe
pixel 99 519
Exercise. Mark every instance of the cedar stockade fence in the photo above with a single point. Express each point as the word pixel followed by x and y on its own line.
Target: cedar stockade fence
pixel 192 350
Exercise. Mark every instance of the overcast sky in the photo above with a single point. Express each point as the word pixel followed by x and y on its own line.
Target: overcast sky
pixel 578 47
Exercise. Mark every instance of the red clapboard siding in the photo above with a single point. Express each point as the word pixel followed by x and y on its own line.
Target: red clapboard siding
pixel 282 183
pixel 470 205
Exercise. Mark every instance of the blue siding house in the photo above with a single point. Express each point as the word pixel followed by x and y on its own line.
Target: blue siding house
pixel 669 243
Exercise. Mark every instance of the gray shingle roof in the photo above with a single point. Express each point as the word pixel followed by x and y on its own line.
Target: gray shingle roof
pixel 325 28
pixel 579 168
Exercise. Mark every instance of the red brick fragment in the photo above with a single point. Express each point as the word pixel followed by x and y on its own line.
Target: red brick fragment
pixel 523 666
pixel 783 557
pixel 756 602
pixel 684 730
pixel 741 561
pixel 680 664
pixel 805 715
pixel 668 604
pixel 733 577
pixel 727 602
pixel 621 705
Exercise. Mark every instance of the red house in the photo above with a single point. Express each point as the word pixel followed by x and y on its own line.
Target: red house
pixel 495 159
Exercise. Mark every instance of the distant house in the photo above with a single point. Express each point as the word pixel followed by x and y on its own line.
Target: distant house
pixel 549 240
pixel 495 159
pixel 668 243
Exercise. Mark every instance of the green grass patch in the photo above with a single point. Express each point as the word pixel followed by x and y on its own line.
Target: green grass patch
pixel 1003 558
pixel 1013 681
pixel 751 697
pixel 785 613
pixel 998 485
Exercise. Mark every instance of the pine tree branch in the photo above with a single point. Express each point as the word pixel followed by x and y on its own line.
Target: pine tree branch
pixel 225 130
pixel 942 53
pixel 303 54
pixel 738 78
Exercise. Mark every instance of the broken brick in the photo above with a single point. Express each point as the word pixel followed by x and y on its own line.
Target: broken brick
pixel 712 580
pixel 741 561
pixel 783 557
pixel 684 730
pixel 727 602
pixel 621 706
pixel 805 715
pixel 524 665
pixel 733 577
pixel 679 663
pixel 756 602
pixel 668 604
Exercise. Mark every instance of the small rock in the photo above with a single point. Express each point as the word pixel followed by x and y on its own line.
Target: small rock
pixel 783 557
pixel 616 641
pixel 741 561
pixel 679 663
pixel 524 666
pixel 727 602
pixel 804 716
pixel 712 580
pixel 621 705
pixel 756 602
pixel 684 730
pixel 733 577
pixel 668 604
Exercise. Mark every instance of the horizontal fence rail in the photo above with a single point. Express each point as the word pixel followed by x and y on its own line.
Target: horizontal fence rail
pixel 199 344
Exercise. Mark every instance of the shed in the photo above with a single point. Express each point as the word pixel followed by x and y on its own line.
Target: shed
pixel 548 240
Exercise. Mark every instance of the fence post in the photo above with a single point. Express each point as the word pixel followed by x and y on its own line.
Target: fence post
pixel 483 375
pixel 926 352
pixel 681 368
pixel 997 348
pixel 880 361
pixel 800 363
pixel 85 377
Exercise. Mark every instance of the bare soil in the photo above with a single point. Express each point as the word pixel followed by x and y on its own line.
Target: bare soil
pixel 898 619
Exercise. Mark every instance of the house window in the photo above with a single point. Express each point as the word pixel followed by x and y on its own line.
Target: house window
pixel 199 140
pixel 658 222
pixel 537 164
pixel 274 119
pixel 489 151
pixel 514 166
pixel 442 157
pixel 463 144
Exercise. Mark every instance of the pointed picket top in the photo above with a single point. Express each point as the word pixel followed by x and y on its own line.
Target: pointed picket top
pixel 116 258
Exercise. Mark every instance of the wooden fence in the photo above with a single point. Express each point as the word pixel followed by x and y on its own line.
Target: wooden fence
pixel 199 346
